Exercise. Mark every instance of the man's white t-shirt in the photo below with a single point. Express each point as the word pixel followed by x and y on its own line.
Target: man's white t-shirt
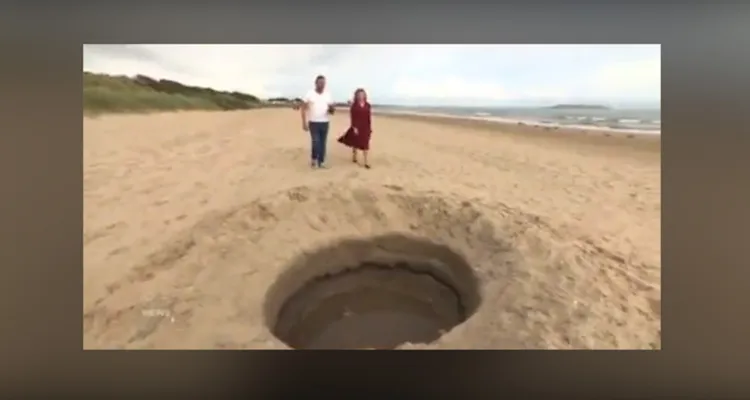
pixel 318 103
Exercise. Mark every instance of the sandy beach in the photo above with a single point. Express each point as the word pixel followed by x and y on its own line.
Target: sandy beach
pixel 198 227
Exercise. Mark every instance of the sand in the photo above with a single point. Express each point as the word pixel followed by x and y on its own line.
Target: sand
pixel 195 224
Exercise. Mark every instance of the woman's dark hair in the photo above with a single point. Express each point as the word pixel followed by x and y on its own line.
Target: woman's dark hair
pixel 319 77
pixel 356 92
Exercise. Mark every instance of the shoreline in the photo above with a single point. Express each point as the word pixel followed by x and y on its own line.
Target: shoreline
pixel 565 135
pixel 611 141
pixel 527 122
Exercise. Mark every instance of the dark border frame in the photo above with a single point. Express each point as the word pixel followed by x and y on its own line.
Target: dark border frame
pixel 704 221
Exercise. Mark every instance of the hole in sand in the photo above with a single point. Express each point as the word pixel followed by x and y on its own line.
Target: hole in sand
pixel 371 294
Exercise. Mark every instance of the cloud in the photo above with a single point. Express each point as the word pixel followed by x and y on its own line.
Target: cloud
pixel 428 74
pixel 634 79
pixel 451 87
pixel 251 69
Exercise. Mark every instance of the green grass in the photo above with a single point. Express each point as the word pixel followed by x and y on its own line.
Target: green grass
pixel 111 94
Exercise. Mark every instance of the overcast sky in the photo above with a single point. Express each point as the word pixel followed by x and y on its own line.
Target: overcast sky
pixel 404 74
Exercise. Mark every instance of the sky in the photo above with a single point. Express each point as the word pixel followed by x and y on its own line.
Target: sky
pixel 430 75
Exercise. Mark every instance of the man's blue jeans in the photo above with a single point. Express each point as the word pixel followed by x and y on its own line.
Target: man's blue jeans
pixel 319 138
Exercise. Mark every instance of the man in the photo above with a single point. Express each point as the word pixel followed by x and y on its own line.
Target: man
pixel 315 118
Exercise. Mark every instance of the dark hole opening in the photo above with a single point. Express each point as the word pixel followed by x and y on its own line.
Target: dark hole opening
pixel 374 306
pixel 408 291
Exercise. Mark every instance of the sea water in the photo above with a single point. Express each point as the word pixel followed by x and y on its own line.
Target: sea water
pixel 644 119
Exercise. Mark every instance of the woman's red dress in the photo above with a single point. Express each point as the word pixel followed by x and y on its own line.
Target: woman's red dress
pixel 361 119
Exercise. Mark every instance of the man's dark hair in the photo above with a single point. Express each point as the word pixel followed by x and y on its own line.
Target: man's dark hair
pixel 319 77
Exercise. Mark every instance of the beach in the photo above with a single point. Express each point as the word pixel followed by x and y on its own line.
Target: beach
pixel 194 220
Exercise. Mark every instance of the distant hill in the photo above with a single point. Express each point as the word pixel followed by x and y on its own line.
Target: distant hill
pixel 579 107
pixel 108 93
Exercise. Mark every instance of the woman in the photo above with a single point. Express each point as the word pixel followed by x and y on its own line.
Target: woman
pixel 358 135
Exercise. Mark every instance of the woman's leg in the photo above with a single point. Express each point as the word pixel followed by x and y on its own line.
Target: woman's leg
pixel 364 156
pixel 354 155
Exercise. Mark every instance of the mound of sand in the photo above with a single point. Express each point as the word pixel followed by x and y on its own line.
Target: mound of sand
pixel 200 228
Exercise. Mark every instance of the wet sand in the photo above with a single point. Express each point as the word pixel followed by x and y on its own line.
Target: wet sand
pixel 191 218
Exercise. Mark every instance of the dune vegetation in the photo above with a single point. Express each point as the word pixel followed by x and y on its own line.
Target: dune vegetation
pixel 106 93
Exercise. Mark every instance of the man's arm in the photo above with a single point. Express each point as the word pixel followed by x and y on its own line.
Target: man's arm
pixel 303 110
pixel 331 105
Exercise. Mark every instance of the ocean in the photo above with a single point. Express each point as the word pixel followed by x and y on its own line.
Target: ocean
pixel 643 120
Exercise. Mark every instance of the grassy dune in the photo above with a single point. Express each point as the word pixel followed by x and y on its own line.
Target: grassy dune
pixel 107 94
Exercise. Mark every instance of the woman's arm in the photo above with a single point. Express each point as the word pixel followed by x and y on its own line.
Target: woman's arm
pixel 353 119
pixel 369 117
